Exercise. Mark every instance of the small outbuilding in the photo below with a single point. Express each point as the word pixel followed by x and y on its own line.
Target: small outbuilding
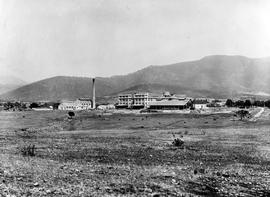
pixel 106 107
pixel 200 104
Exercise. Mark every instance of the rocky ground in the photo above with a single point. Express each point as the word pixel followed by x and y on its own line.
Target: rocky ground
pixel 133 155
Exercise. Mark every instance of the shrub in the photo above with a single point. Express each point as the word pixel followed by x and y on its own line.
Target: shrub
pixel 33 105
pixel 229 103
pixel 178 142
pixel 71 114
pixel 29 150
pixel 242 114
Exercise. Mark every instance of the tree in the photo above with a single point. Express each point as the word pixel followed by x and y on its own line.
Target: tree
pixel 55 105
pixel 46 105
pixel 17 104
pixel 242 114
pixel 71 114
pixel 240 104
pixel 8 105
pixel 23 106
pixel 33 105
pixel 229 103
pixel 267 103
pixel 259 103
pixel 247 104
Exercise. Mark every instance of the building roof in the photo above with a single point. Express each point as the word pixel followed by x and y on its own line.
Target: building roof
pixel 155 95
pixel 140 93
pixel 166 94
pixel 85 99
pixel 169 103
pixel 67 104
pixel 200 102
pixel 125 94
pixel 66 101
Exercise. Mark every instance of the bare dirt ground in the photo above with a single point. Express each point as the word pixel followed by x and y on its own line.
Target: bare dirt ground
pixel 133 155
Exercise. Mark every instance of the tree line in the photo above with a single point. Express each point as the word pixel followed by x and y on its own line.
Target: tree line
pixel 21 106
pixel 247 103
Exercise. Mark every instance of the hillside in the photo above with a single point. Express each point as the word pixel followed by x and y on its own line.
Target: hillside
pixel 218 76
pixel 8 83
pixel 174 89
pixel 58 88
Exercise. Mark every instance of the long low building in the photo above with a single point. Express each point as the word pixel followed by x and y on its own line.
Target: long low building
pixel 169 104
pixel 141 100
pixel 79 104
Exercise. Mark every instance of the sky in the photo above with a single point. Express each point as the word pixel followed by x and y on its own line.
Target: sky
pixel 90 38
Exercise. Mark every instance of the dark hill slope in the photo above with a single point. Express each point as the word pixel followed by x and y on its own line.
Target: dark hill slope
pixel 58 88
pixel 219 76
pixel 174 89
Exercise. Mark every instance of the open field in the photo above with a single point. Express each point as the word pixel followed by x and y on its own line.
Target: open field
pixel 133 155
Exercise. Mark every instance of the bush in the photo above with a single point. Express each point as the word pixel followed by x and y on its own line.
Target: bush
pixel 33 105
pixel 229 103
pixel 29 150
pixel 178 142
pixel 242 114
pixel 71 114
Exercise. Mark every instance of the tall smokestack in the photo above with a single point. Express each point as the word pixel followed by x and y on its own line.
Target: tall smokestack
pixel 94 94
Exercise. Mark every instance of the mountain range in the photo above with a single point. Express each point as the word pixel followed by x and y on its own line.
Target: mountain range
pixel 8 83
pixel 212 76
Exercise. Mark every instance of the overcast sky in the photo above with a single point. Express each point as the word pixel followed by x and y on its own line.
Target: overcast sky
pixel 46 38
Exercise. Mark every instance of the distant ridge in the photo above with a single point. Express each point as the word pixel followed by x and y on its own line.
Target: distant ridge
pixel 58 88
pixel 8 83
pixel 213 76
pixel 174 89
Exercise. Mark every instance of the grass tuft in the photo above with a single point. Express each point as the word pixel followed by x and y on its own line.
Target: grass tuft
pixel 178 142
pixel 29 150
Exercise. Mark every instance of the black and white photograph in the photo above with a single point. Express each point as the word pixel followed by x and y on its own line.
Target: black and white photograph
pixel 134 98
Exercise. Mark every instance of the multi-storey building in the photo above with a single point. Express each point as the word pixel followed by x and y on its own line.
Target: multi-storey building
pixel 124 101
pixel 135 101
pixel 83 104
pixel 140 100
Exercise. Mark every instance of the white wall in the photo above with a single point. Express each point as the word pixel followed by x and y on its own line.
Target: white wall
pixel 200 106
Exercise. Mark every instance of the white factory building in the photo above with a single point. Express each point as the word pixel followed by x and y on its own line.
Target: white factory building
pixel 153 101
pixel 79 104
pixel 135 100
